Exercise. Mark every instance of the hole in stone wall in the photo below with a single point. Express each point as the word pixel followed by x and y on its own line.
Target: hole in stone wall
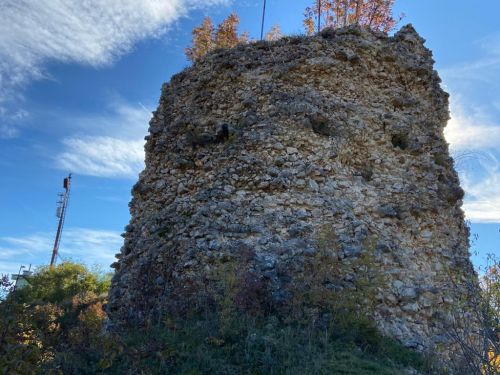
pixel 400 140
pixel 367 173
pixel 321 124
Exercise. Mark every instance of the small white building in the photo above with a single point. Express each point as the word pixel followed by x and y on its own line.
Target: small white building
pixel 21 279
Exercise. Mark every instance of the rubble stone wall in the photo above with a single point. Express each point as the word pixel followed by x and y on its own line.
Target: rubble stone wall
pixel 337 135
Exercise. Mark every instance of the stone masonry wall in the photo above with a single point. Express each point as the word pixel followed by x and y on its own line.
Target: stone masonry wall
pixel 337 135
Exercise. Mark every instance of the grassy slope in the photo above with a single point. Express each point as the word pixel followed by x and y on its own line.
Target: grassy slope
pixel 203 347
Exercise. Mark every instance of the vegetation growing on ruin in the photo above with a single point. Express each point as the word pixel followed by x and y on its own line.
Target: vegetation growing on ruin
pixel 376 14
pixel 206 37
pixel 326 331
pixel 236 334
pixel 54 323
pixel 208 344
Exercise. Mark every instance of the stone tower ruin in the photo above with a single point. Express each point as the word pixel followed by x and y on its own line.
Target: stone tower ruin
pixel 335 145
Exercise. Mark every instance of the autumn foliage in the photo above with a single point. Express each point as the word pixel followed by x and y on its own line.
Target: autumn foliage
pixel 203 40
pixel 206 37
pixel 376 14
pixel 274 33
pixel 54 324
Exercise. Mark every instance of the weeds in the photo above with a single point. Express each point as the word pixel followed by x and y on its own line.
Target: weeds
pixel 347 345
pixel 474 322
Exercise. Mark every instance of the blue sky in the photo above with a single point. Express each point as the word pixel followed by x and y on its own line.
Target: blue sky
pixel 78 82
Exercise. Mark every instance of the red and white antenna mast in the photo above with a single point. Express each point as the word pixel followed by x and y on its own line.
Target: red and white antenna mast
pixel 62 204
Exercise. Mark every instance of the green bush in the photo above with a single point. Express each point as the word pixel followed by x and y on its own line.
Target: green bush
pixel 53 324
pixel 63 281
pixel 238 332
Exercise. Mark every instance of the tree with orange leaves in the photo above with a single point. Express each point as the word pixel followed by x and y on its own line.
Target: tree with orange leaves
pixel 203 40
pixel 207 38
pixel 274 33
pixel 376 14
pixel 226 35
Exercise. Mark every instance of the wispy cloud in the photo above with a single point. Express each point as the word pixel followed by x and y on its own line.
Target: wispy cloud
pixel 89 245
pixel 474 129
pixel 482 204
pixel 36 244
pixel 93 32
pixel 11 121
pixel 471 127
pixel 481 69
pixel 102 156
pixel 8 131
pixel 474 133
pixel 129 120
pixel 112 145
pixel 491 43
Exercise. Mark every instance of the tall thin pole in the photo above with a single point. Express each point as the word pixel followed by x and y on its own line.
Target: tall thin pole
pixel 61 220
pixel 263 15
pixel 319 15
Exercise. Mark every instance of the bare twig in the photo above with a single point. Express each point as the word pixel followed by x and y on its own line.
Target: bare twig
pixel 463 157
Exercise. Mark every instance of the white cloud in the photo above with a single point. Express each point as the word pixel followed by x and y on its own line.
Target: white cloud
pixel 10 122
pixel 482 69
pixel 91 32
pixel 482 204
pixel 474 134
pixel 37 243
pixel 102 156
pixel 126 120
pixel 89 245
pixel 491 43
pixel 475 126
pixel 112 145
pixel 8 131
pixel 93 246
pixel 472 129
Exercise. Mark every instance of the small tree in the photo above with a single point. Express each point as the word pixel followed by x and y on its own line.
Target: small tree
pixel 376 14
pixel 207 38
pixel 226 35
pixel 474 320
pixel 6 287
pixel 62 282
pixel 203 40
pixel 274 33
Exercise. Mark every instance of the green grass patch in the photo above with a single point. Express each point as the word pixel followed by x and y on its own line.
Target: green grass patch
pixel 208 346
